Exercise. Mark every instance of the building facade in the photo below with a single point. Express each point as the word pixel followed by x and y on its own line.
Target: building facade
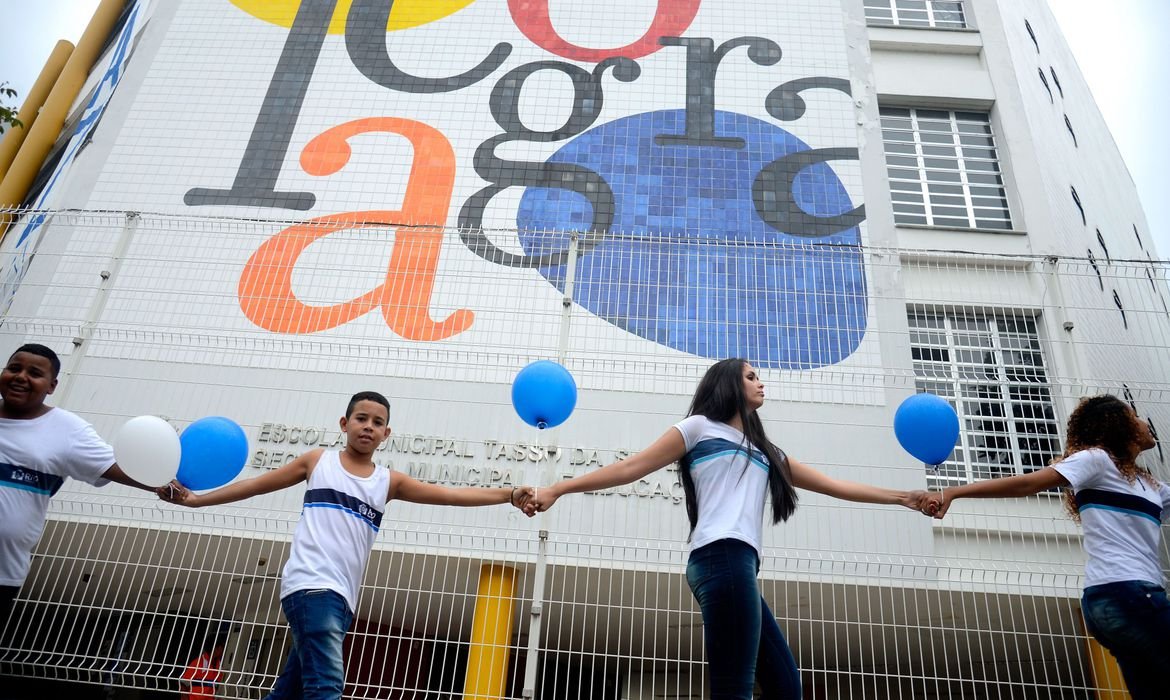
pixel 256 209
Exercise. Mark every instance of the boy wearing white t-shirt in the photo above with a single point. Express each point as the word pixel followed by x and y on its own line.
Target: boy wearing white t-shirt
pixel 344 501
pixel 40 447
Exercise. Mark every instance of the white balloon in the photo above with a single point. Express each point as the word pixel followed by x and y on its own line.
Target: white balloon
pixel 147 449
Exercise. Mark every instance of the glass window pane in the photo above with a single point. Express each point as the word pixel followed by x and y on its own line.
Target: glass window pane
pixel 963 180
pixel 995 363
pixel 948 14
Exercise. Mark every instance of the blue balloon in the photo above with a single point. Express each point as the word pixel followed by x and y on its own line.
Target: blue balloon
pixel 215 450
pixel 544 394
pixel 927 427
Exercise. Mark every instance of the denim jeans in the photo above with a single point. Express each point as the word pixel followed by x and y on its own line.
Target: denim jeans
pixel 319 620
pixel 1132 620
pixel 744 643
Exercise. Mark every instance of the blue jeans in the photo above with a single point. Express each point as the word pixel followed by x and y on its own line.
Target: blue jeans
pixel 744 643
pixel 318 620
pixel 1132 620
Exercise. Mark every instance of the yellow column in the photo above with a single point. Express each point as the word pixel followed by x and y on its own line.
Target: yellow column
pixel 491 633
pixel 1106 673
pixel 32 104
pixel 38 140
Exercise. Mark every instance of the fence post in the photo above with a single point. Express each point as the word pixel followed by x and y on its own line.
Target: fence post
pixel 72 365
pixel 546 474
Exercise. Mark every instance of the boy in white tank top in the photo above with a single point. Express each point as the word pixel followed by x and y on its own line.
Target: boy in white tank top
pixel 346 496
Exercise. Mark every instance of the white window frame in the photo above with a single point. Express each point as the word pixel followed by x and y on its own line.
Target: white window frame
pixel 978 220
pixel 913 19
pixel 957 471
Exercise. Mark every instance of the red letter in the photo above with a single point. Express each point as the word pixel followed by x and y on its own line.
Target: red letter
pixel 670 19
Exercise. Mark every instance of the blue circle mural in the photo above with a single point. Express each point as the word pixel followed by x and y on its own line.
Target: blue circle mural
pixel 690 262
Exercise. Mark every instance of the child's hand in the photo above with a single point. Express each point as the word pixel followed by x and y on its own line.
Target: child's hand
pixel 542 500
pixel 522 499
pixel 932 504
pixel 937 505
pixel 915 500
pixel 176 493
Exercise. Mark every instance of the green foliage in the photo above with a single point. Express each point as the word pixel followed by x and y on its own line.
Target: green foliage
pixel 7 114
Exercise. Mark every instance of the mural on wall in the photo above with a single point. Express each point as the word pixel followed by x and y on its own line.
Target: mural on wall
pixel 706 230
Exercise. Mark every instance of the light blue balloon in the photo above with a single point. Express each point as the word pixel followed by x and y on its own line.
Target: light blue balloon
pixel 544 394
pixel 215 450
pixel 927 427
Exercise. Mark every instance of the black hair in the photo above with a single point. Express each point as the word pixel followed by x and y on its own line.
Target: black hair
pixel 366 396
pixel 42 351
pixel 1107 423
pixel 719 397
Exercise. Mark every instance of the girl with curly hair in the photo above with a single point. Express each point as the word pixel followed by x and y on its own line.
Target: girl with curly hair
pixel 1121 507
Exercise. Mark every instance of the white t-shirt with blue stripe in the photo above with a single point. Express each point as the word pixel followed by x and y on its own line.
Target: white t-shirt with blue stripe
pixel 731 482
pixel 340 519
pixel 37 455
pixel 1122 521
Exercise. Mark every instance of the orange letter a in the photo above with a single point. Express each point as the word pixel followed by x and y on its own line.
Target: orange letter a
pixel 265 290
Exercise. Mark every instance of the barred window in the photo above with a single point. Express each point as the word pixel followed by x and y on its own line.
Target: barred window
pixel 991 368
pixel 944 169
pixel 945 14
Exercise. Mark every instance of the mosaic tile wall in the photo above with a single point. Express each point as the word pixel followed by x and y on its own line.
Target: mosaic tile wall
pixel 702 152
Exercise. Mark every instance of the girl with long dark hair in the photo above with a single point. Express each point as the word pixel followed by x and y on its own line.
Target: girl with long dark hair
pixel 1121 506
pixel 728 467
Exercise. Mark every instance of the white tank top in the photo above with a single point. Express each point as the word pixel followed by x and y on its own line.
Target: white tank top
pixel 332 540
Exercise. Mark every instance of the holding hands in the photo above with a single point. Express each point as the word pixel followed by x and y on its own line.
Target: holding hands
pixel 542 499
pixel 174 492
pixel 532 500
pixel 521 499
pixel 935 504
pixel 915 500
pixel 932 503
